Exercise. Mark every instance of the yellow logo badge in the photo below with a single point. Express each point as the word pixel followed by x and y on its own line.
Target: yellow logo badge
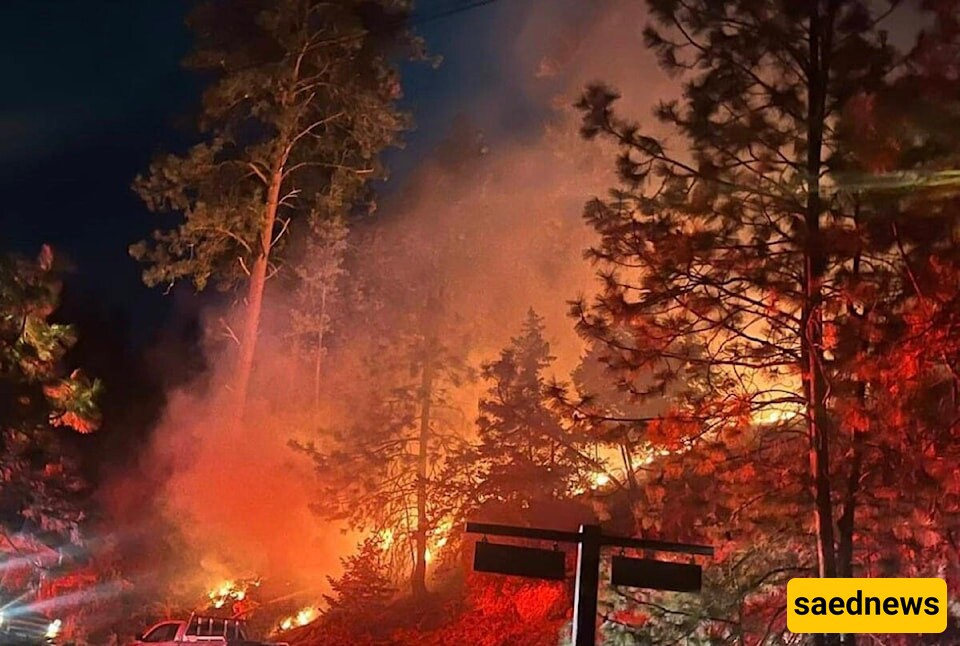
pixel 867 605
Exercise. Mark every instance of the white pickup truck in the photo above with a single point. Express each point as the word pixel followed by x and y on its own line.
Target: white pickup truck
pixel 204 631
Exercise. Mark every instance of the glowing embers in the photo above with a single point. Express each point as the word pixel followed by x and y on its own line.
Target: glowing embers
pixel 438 539
pixel 442 534
pixel 386 539
pixel 600 479
pixel 593 482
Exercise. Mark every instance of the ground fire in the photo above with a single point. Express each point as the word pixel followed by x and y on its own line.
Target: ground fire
pixel 234 595
pixel 302 618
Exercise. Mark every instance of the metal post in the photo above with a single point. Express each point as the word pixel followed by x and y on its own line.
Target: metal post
pixel 588 582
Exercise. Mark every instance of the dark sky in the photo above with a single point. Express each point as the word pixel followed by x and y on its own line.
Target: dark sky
pixel 90 91
pixel 93 88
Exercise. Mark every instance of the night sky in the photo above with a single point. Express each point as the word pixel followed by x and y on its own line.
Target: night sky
pixel 93 88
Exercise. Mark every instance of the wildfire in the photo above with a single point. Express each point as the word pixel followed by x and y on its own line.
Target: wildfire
pixel 230 592
pixel 386 539
pixel 775 414
pixel 595 480
pixel 442 534
pixel 600 479
pixel 302 618
pixel 437 539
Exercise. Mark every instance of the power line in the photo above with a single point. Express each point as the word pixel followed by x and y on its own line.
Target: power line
pixel 445 13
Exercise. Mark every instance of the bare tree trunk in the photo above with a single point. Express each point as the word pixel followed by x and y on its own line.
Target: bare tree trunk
pixel 812 314
pixel 431 322
pixel 419 579
pixel 845 523
pixel 319 358
pixel 255 289
pixel 811 341
pixel 633 487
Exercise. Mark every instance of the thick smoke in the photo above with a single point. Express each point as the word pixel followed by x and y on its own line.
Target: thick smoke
pixel 505 221
pixel 210 503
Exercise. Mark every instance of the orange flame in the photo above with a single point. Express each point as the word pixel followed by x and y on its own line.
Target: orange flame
pixel 231 591
pixel 302 618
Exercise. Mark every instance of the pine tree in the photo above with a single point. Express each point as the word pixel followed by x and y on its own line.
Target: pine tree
pixel 41 491
pixel 364 588
pixel 607 402
pixel 765 254
pixel 387 466
pixel 734 239
pixel 301 104
pixel 318 293
pixel 382 473
pixel 895 377
pixel 526 459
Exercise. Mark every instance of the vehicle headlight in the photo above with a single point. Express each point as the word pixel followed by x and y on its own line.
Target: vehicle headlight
pixel 1 619
pixel 54 628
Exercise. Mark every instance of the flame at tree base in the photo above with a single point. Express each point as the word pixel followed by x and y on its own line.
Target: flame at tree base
pixel 302 618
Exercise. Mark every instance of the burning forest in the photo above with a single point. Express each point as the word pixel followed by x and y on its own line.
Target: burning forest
pixel 490 323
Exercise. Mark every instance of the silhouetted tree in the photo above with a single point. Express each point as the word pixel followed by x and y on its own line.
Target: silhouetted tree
pixel 381 471
pixel 525 459
pixel 364 588
pixel 319 275
pixel 41 492
pixel 749 254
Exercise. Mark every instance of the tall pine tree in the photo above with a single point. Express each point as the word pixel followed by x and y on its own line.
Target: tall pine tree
pixel 317 295
pixel 526 460
pixel 382 472
pixel 299 108
pixel 759 253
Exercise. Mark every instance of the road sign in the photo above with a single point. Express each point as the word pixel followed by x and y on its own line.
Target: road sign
pixel 514 560
pixel 656 575
pixel 589 541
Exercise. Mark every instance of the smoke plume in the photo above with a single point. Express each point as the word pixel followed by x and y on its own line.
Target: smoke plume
pixel 505 220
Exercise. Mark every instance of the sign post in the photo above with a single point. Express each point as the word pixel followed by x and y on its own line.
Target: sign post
pixel 638 573
pixel 586 594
